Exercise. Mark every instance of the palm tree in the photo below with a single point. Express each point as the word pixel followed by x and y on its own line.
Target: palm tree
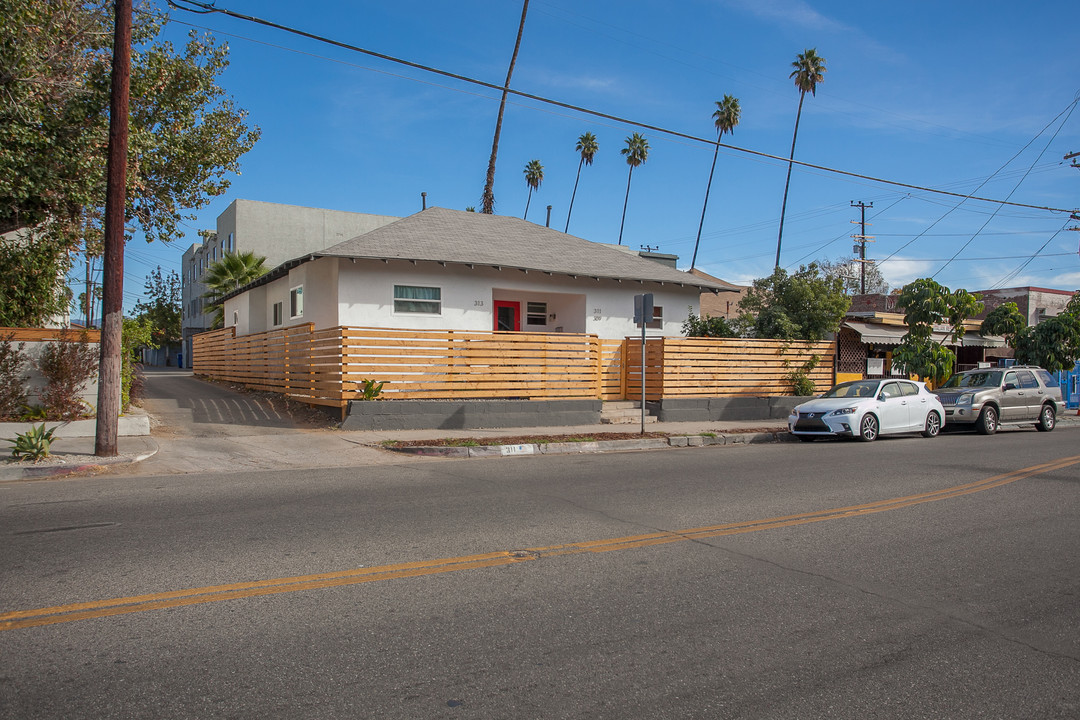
pixel 587 146
pixel 636 152
pixel 534 175
pixel 487 200
pixel 726 117
pixel 231 272
pixel 809 71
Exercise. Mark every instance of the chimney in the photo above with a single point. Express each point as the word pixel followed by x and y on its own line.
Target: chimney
pixel 548 223
pixel 423 201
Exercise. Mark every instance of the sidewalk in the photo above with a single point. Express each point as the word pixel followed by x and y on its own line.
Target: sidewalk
pixel 200 427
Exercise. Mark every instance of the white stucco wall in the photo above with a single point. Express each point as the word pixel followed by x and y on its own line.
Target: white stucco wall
pixel 341 292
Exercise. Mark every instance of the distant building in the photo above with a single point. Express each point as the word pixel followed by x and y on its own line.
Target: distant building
pixel 1034 303
pixel 723 304
pixel 278 232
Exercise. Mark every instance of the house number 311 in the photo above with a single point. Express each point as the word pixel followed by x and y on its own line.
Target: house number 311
pixel 597 313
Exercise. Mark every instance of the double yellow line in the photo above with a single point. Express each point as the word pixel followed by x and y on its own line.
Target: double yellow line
pixel 216 593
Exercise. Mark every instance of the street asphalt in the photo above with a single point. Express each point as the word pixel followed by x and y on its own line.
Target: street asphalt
pixel 197 426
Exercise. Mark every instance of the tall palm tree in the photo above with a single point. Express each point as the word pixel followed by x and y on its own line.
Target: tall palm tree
pixel 727 116
pixel 487 200
pixel 587 147
pixel 534 175
pixel 809 71
pixel 231 272
pixel 636 152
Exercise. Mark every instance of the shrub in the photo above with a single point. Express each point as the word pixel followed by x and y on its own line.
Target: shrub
pixel 67 367
pixel 12 379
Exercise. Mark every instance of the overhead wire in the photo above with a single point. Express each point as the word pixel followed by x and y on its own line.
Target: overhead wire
pixel 202 8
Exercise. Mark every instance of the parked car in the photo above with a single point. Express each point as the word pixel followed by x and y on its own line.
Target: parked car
pixel 992 397
pixel 868 408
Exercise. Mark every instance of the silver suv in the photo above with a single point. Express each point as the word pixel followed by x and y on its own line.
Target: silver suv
pixel 992 397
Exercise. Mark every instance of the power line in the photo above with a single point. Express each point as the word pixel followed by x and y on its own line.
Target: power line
pixel 201 8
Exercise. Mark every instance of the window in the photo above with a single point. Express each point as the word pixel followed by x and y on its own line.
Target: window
pixel 412 299
pixel 236 317
pixel 1027 380
pixel 536 313
pixel 658 318
pixel 231 243
pixel 296 302
pixel 909 388
pixel 278 313
pixel 1048 380
pixel 891 390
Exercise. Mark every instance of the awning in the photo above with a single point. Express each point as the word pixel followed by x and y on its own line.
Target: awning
pixel 892 335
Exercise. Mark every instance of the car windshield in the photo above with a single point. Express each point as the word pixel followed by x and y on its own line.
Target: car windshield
pixel 990 378
pixel 856 389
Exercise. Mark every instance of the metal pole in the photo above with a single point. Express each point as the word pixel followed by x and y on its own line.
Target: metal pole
pixel 643 324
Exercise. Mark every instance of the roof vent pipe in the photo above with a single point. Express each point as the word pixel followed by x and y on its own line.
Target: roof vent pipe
pixel 548 223
pixel 423 201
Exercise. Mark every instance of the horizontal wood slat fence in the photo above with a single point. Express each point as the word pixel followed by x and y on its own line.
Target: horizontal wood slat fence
pixel 329 367
pixel 49 334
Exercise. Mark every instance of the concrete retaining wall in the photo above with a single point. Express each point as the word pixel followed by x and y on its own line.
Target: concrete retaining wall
pixel 466 414
pixel 724 408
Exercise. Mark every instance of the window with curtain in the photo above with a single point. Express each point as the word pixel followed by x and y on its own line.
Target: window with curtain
pixel 414 299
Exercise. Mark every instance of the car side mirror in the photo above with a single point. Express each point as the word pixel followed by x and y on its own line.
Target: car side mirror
pixel 882 398
pixel 1010 386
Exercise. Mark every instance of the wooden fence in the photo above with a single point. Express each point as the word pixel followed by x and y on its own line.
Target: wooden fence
pixel 329 367
pixel 49 334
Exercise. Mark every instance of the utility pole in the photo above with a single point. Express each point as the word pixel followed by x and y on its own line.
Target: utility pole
pixel 862 238
pixel 112 319
pixel 1076 215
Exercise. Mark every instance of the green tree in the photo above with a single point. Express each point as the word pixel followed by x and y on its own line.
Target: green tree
pixel 707 326
pixel 1005 320
pixel 726 118
pixel 587 147
pixel 850 272
pixel 32 270
pixel 1053 344
pixel 809 71
pixel 804 305
pixel 636 153
pixel 162 306
pixel 231 272
pixel 926 304
pixel 534 176
pixel 186 135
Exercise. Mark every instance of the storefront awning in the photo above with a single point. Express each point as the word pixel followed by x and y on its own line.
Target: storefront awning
pixel 876 334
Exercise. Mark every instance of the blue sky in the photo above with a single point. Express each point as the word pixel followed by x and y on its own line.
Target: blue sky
pixel 962 96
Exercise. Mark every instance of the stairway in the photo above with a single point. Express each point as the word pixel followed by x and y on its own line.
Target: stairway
pixel 624 412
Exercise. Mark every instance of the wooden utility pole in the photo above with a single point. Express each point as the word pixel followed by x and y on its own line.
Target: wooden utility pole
pixel 862 238
pixel 112 310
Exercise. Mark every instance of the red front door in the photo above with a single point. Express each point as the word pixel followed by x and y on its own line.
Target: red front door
pixel 507 316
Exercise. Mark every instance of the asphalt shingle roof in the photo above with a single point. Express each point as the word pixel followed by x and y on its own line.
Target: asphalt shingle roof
pixel 467 238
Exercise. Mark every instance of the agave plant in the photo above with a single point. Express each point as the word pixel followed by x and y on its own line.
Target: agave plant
pixel 33 444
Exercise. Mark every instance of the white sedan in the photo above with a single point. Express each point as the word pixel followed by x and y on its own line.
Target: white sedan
pixel 868 408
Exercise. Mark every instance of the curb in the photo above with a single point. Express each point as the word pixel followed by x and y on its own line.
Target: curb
pixel 601 446
pixel 86 469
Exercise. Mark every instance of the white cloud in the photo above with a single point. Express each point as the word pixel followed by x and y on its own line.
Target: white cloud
pixel 900 271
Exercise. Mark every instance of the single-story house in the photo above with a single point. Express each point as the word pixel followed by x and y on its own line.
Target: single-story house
pixel 443 269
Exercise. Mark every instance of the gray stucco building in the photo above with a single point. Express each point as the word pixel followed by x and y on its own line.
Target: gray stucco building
pixel 278 232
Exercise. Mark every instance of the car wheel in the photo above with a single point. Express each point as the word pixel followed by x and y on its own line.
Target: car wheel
pixel 933 425
pixel 987 424
pixel 1047 419
pixel 868 428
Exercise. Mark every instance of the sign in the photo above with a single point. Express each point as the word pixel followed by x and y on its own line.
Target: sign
pixel 643 308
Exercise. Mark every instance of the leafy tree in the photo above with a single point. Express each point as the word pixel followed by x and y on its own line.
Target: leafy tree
pixel 707 326
pixel 136 333
pixel 587 147
pixel 725 118
pixel 850 272
pixel 809 71
pixel 804 305
pixel 231 272
pixel 534 176
pixel 1053 344
pixel 32 270
pixel 162 306
pixel 12 378
pixel 1005 320
pixel 927 303
pixel 636 153
pixel 186 136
